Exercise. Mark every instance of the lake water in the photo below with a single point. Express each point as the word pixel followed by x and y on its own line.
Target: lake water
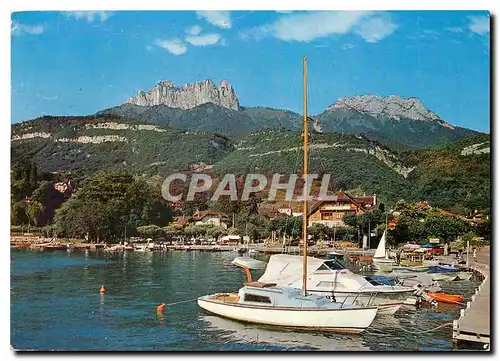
pixel 56 305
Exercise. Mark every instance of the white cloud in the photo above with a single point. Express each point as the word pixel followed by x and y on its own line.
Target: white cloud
pixel 173 46
pixel 23 29
pixel 309 26
pixel 90 16
pixel 222 19
pixel 203 40
pixel 454 29
pixel 284 11
pixel 194 30
pixel 480 24
pixel 347 46
pixel 375 29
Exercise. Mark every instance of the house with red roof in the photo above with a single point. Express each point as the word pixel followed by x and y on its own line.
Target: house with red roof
pixel 331 212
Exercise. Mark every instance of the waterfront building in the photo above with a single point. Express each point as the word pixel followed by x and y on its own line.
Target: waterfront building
pixel 331 212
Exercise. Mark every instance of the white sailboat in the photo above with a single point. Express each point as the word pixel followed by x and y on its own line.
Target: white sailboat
pixel 381 260
pixel 268 304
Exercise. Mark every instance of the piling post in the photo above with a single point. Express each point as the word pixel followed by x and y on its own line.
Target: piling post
pixel 467 260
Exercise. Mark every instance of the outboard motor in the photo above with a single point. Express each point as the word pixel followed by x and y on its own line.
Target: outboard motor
pixel 420 292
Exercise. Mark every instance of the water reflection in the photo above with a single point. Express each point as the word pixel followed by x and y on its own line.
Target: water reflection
pixel 161 319
pixel 233 331
pixel 101 307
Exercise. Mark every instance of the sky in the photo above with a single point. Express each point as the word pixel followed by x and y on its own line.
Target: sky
pixel 77 63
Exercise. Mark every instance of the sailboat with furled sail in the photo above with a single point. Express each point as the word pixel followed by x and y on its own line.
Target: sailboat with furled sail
pixel 267 304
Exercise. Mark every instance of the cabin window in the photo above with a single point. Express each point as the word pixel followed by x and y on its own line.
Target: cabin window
pixel 323 267
pixel 373 282
pixel 333 265
pixel 256 298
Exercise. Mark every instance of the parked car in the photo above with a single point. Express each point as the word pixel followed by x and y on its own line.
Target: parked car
pixel 436 250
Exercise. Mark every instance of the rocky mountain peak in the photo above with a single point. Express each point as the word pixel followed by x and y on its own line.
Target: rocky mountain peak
pixel 392 106
pixel 188 96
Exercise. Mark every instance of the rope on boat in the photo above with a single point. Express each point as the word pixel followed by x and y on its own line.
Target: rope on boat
pixel 179 302
pixel 426 331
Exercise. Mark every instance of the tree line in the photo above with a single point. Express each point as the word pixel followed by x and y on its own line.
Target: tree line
pixel 113 205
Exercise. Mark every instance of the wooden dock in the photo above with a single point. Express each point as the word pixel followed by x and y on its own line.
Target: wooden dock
pixel 473 326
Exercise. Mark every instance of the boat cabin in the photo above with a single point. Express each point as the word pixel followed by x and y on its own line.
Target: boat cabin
pixel 323 275
pixel 259 293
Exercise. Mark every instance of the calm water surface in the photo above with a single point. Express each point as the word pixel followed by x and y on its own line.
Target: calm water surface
pixel 56 305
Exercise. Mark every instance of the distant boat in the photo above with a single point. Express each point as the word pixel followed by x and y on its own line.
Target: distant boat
pixel 54 247
pixel 142 248
pixel 115 248
pixel 380 259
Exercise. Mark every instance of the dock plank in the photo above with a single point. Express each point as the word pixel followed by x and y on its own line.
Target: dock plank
pixel 477 317
pixel 474 325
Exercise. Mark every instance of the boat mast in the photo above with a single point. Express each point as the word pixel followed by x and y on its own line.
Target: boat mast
pixel 304 211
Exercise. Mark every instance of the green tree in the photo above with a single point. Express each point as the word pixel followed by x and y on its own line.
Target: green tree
pixel 18 214
pixel 33 210
pixel 319 231
pixel 150 231
pixel 350 219
pixel 484 229
pixel 110 204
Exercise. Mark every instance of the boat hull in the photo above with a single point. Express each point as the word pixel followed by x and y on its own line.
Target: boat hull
pixel 331 320
pixel 452 276
pixel 446 298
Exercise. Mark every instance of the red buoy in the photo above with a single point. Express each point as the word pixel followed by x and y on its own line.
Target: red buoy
pixel 160 308
pixel 103 290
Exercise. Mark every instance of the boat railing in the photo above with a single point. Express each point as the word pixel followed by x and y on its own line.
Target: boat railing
pixel 372 296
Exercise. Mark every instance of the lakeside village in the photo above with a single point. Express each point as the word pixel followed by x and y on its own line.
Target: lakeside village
pixel 419 247
pixel 118 212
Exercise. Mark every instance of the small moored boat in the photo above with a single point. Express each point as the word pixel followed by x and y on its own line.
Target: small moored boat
pixel 263 303
pixel 445 297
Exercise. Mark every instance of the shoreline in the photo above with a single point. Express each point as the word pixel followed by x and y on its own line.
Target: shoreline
pixel 35 242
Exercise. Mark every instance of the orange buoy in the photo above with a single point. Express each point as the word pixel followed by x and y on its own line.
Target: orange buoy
pixel 446 298
pixel 102 290
pixel 160 308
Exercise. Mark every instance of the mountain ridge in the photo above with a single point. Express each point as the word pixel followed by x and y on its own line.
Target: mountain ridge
pixel 393 106
pixel 453 176
pixel 401 134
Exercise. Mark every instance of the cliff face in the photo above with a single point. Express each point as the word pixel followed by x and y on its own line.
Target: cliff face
pixel 392 106
pixel 188 96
